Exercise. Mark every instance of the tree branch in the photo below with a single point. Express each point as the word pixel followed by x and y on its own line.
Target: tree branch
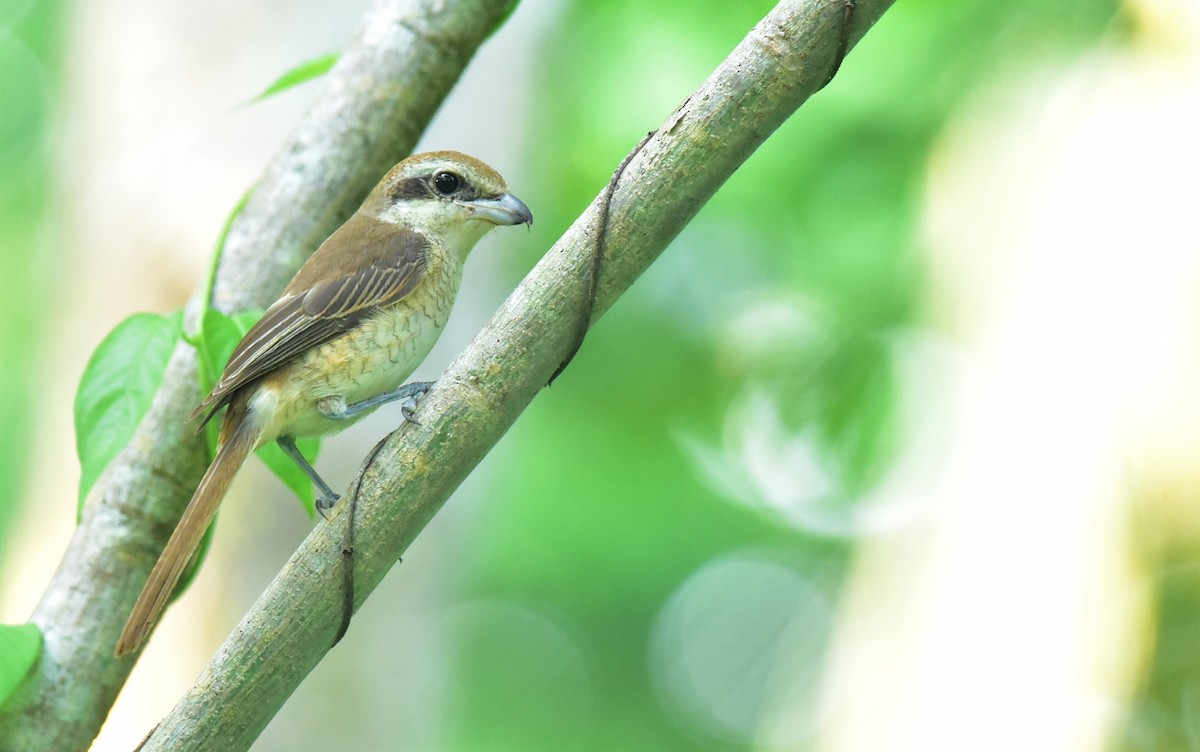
pixel 407 478
pixel 375 103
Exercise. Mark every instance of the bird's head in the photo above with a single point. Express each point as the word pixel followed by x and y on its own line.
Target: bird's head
pixel 446 194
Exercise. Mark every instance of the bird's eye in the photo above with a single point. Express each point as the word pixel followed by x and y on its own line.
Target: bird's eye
pixel 446 183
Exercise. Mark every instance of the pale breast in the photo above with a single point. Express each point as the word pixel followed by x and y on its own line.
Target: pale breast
pixel 374 357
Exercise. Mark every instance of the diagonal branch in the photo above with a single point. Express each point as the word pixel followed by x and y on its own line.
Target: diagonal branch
pixel 407 478
pixel 375 103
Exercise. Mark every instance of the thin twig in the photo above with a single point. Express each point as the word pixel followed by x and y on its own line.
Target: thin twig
pixel 599 248
pixel 348 548
pixel 848 8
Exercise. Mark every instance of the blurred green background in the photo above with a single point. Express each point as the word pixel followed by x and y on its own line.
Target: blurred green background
pixel 30 52
pixel 659 560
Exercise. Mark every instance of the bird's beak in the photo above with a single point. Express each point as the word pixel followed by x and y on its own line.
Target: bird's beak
pixel 502 210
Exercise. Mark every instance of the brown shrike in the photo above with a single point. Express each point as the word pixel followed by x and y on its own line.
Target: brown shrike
pixel 355 321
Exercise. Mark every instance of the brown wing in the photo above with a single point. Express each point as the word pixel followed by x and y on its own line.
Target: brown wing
pixel 321 303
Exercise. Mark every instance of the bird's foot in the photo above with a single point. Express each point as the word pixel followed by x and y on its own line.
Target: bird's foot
pixel 324 503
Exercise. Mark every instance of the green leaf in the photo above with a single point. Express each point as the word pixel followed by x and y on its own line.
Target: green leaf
pixel 214 343
pixel 219 335
pixel 116 389
pixel 246 319
pixel 210 279
pixel 302 73
pixel 289 472
pixel 20 647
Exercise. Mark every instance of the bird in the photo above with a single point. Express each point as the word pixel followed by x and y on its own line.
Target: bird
pixel 361 313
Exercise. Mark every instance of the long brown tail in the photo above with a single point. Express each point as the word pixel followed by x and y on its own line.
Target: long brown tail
pixel 238 439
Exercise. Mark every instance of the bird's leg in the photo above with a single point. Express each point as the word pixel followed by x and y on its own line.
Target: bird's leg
pixel 328 498
pixel 336 408
pixel 408 394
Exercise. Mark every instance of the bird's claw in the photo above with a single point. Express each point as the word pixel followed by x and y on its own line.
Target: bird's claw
pixel 325 503
pixel 408 409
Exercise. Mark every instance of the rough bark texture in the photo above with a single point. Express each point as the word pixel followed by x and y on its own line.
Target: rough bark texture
pixel 405 481
pixel 377 100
